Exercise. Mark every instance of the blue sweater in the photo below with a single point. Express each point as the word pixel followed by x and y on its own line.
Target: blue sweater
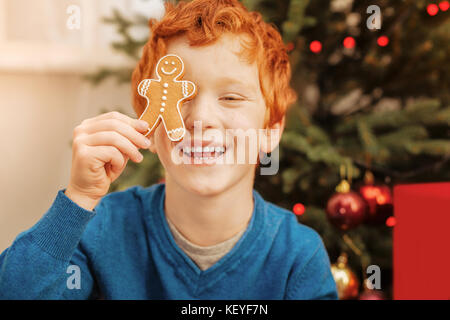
pixel 124 250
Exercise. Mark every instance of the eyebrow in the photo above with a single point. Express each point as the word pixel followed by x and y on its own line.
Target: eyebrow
pixel 225 80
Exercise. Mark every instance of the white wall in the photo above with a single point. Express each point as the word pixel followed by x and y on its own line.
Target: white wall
pixel 39 112
pixel 43 97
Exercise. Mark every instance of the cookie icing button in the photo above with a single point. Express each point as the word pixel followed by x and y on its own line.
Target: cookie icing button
pixel 164 103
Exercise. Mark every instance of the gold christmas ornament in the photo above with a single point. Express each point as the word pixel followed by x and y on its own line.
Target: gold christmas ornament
pixel 346 281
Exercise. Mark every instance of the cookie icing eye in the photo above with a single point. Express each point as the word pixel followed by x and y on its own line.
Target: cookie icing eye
pixel 173 62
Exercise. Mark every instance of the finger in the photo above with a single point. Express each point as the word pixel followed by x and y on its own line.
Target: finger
pixel 112 138
pixel 112 155
pixel 116 125
pixel 140 125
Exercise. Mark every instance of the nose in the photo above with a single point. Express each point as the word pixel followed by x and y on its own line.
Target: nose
pixel 202 108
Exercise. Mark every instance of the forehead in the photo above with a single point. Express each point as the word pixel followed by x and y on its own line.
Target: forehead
pixel 222 59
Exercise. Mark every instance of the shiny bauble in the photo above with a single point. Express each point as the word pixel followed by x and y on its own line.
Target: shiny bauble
pixel 347 283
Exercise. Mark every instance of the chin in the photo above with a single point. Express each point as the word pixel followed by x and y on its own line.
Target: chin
pixel 208 181
pixel 204 189
pixel 203 181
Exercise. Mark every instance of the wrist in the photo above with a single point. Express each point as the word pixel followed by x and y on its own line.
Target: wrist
pixel 82 200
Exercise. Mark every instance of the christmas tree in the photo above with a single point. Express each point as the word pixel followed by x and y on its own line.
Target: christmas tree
pixel 373 108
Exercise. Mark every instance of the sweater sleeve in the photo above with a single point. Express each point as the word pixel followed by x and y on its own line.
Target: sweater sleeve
pixel 48 261
pixel 313 281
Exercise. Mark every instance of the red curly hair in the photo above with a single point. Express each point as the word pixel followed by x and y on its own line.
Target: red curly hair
pixel 203 22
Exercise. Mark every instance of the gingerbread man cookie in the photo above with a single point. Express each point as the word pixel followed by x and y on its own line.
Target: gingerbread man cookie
pixel 165 97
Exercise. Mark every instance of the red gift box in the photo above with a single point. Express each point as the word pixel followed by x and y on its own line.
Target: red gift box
pixel 421 238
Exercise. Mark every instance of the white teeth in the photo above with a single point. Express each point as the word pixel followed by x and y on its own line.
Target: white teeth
pixel 187 150
pixel 204 149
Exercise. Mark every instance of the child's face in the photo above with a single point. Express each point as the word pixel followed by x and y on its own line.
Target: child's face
pixel 228 97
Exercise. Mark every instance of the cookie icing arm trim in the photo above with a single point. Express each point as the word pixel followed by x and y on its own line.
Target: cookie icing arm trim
pixel 143 87
pixel 188 88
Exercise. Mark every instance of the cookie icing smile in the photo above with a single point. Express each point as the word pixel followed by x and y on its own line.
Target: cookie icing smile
pixel 168 73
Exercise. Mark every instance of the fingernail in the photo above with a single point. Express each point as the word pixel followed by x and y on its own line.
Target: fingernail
pixel 140 157
pixel 147 142
pixel 143 124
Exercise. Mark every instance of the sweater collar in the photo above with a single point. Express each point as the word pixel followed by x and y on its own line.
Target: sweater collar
pixel 181 261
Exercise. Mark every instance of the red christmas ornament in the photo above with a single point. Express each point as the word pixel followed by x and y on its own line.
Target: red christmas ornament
pixel 444 5
pixel 299 209
pixel 315 46
pixel 372 295
pixel 378 199
pixel 432 9
pixel 349 42
pixel 346 209
pixel 383 41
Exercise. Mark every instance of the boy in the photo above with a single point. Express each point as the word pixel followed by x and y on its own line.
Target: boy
pixel 204 234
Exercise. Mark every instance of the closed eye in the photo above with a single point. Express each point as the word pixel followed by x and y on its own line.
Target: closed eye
pixel 232 98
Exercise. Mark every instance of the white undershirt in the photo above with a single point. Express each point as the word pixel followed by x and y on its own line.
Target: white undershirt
pixel 204 257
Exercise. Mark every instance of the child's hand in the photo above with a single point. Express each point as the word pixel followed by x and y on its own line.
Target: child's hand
pixel 100 151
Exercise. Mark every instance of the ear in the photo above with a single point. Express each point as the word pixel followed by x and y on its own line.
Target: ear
pixel 272 136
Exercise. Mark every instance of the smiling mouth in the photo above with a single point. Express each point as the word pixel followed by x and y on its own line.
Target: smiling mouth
pixel 168 73
pixel 203 155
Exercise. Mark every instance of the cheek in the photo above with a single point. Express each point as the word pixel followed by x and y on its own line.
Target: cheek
pixel 246 117
pixel 162 142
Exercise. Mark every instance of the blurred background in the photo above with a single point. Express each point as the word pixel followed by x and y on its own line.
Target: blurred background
pixel 373 117
pixel 44 58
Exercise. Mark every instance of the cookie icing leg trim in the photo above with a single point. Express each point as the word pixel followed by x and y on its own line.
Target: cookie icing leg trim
pixel 176 134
